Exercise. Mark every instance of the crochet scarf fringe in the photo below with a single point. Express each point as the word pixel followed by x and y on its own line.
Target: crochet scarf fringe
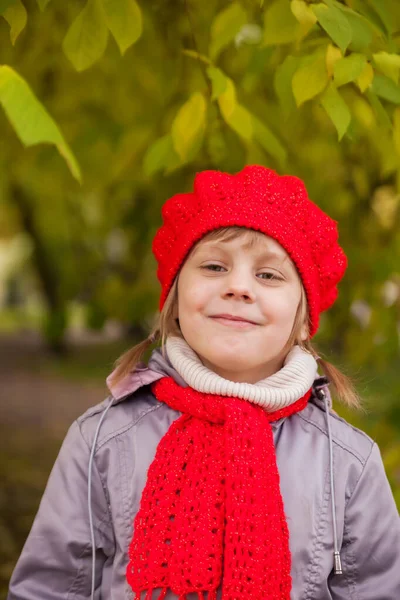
pixel 211 511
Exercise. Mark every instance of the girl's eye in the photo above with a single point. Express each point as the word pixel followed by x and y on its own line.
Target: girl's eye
pixel 270 276
pixel 216 268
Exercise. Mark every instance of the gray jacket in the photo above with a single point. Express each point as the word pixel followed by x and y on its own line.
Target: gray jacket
pixel 56 562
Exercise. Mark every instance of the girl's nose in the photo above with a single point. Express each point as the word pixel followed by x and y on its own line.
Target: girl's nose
pixel 239 286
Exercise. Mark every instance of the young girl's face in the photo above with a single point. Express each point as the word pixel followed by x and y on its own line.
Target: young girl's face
pixel 237 302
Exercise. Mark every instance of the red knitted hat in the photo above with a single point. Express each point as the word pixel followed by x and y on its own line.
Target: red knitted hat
pixel 259 199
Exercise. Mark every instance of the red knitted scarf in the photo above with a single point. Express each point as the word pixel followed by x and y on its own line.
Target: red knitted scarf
pixel 211 511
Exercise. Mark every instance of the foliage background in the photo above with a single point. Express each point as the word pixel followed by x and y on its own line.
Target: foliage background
pixel 111 106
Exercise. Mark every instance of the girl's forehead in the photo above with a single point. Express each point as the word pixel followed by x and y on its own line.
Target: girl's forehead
pixel 244 240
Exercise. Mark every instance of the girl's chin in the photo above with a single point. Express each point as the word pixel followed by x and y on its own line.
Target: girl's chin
pixel 228 362
pixel 240 358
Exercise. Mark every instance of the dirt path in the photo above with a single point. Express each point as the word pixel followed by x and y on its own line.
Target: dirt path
pixel 30 395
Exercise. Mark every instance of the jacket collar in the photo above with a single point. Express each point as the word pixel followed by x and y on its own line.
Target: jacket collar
pixel 159 366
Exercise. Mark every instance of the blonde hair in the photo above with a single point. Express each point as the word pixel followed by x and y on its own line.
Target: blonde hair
pixel 167 325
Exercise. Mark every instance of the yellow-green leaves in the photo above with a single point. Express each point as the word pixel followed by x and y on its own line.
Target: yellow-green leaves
pixel 184 141
pixel 16 17
pixel 337 109
pixel 30 119
pixel 240 119
pixel 280 24
pixel 268 140
pixel 160 156
pixel 335 23
pixel 362 30
pixel 124 20
pixel 365 78
pixel 349 69
pixel 396 131
pixel 310 79
pixel 225 27
pixel 219 81
pixel 42 4
pixel 386 88
pixel 304 15
pixel 235 115
pixel 303 12
pixel 86 39
pixel 379 110
pixel 4 4
pixel 283 84
pixel 352 68
pixel 227 99
pixel 333 54
pixel 188 126
pixel 388 64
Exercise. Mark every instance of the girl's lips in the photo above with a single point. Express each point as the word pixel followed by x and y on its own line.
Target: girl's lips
pixel 234 323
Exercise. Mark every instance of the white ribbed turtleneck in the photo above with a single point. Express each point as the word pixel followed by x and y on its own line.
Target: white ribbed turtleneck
pixel 277 391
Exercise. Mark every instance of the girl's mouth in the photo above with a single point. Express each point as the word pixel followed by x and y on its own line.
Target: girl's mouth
pixel 232 321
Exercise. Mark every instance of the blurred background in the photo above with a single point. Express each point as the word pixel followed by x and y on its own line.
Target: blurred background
pixel 111 106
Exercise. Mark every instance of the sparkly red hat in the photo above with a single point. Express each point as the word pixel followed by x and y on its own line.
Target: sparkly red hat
pixel 259 199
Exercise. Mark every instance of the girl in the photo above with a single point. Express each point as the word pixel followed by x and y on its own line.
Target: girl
pixel 219 470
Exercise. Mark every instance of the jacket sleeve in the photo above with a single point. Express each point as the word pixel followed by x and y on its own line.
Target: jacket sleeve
pixel 371 541
pixel 56 561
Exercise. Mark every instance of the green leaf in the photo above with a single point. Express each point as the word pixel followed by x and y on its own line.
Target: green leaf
pixel 241 121
pixel 362 7
pixel 227 100
pixel 335 23
pixel 385 88
pixel 219 82
pixel 268 140
pixel 365 78
pixel 30 119
pixel 225 27
pixel 310 79
pixel 362 29
pixel 280 25
pixel 388 64
pixel 380 111
pixel 336 109
pixel 159 156
pixel 4 4
pixel 349 68
pixel 283 84
pixel 384 13
pixel 333 54
pixel 188 126
pixel 86 39
pixel 303 12
pixel 16 17
pixel 42 4
pixel 304 15
pixel 235 115
pixel 362 32
pixel 124 20
pixel 396 131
